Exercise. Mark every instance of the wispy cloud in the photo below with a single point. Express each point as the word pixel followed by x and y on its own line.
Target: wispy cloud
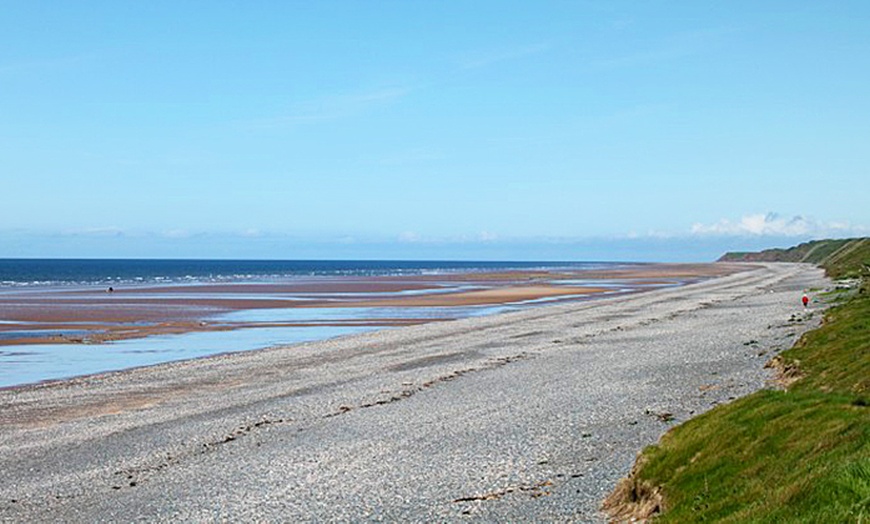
pixel 412 237
pixel 772 224
pixel 674 47
pixel 48 64
pixel 107 231
pixel 409 237
pixel 331 107
pixel 412 156
pixel 622 24
pixel 177 233
pixel 251 233
pixel 486 236
pixel 480 59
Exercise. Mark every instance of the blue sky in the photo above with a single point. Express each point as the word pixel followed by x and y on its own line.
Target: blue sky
pixel 451 130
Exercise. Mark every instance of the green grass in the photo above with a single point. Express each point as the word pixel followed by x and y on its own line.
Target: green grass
pixel 852 261
pixel 812 252
pixel 771 457
pixel 801 455
pixel 836 357
pixel 835 295
pixel 838 257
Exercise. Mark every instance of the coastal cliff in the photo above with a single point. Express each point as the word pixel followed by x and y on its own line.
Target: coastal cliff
pixel 841 257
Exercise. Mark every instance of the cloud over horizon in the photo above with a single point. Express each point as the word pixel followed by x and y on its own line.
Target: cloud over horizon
pixel 772 224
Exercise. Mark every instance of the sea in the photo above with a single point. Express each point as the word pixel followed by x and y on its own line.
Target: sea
pixel 17 272
pixel 34 363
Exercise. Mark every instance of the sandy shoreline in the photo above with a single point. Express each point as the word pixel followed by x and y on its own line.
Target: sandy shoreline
pixel 532 415
pixel 62 316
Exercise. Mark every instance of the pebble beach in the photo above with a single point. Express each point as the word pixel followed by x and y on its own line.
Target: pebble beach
pixel 531 415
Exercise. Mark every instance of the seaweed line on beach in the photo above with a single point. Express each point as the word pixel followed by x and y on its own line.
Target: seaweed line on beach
pixel 408 393
pixel 133 475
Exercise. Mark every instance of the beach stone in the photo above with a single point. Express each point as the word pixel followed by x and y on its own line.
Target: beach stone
pixel 492 426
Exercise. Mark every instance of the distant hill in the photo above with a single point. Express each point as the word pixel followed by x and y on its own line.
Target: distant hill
pixel 841 257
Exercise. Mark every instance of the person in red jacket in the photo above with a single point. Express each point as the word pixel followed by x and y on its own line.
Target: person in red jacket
pixel 805 299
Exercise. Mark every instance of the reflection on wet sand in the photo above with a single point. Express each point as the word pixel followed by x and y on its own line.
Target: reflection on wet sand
pixel 48 334
pixel 90 316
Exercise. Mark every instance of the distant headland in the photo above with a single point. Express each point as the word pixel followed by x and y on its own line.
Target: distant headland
pixel 830 254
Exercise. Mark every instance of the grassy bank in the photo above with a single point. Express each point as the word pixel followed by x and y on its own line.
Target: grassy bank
pixel 799 455
pixel 834 255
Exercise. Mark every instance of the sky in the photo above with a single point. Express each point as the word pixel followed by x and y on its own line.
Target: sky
pixel 546 130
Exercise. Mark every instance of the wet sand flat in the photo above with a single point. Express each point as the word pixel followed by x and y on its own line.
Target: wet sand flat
pixel 136 312
pixel 524 416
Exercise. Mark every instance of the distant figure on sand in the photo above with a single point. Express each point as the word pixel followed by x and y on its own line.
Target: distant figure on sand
pixel 805 299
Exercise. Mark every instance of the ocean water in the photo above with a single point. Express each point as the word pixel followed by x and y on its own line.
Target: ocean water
pixel 24 364
pixel 52 272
